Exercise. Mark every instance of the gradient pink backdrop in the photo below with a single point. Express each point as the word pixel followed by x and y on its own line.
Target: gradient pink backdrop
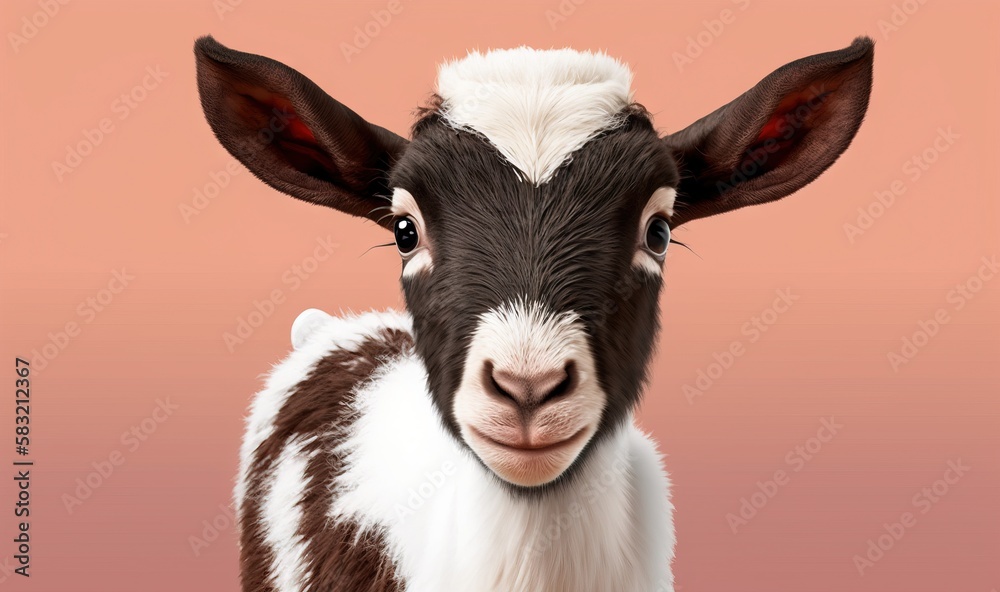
pixel 826 356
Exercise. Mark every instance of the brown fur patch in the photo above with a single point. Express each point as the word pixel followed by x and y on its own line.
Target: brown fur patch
pixel 319 407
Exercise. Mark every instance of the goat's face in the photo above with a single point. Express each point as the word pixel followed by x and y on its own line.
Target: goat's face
pixel 532 210
pixel 534 306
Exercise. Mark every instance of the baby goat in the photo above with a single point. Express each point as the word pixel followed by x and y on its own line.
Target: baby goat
pixel 484 440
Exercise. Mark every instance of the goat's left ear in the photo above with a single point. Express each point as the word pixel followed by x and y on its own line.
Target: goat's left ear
pixel 776 137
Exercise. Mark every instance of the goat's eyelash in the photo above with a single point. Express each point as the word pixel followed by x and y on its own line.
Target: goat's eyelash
pixel 677 242
pixel 377 247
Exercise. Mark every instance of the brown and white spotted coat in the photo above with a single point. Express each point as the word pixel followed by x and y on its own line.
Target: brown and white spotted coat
pixel 302 423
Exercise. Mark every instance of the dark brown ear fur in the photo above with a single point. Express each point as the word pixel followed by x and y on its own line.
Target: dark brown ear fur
pixel 775 138
pixel 294 136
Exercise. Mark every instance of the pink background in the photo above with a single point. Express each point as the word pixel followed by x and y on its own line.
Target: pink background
pixel 826 356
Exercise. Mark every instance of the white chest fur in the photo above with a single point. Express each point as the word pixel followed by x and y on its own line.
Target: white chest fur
pixel 452 526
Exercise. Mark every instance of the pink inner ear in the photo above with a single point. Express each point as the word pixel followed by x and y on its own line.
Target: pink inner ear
pixel 793 114
pixel 770 129
pixel 788 124
pixel 294 142
pixel 299 131
pixel 296 128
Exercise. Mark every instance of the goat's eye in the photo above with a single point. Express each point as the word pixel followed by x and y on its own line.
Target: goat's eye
pixel 406 234
pixel 657 236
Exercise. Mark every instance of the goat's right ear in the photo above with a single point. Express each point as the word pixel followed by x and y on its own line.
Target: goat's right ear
pixel 292 135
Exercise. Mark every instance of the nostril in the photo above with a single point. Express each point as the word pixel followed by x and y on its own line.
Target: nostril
pixel 530 389
pixel 495 386
pixel 564 387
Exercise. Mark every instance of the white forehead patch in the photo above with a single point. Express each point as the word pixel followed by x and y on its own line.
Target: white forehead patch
pixel 536 107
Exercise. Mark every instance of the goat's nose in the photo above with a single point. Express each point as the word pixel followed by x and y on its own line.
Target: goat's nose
pixel 532 389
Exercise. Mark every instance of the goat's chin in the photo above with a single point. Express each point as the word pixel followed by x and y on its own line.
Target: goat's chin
pixel 527 467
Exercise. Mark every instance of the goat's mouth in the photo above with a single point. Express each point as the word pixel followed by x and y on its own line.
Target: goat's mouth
pixel 527 447
pixel 526 462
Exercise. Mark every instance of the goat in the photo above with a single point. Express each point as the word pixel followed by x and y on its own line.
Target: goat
pixel 484 440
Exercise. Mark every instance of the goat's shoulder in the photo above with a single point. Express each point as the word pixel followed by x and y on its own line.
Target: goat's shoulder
pixel 289 461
